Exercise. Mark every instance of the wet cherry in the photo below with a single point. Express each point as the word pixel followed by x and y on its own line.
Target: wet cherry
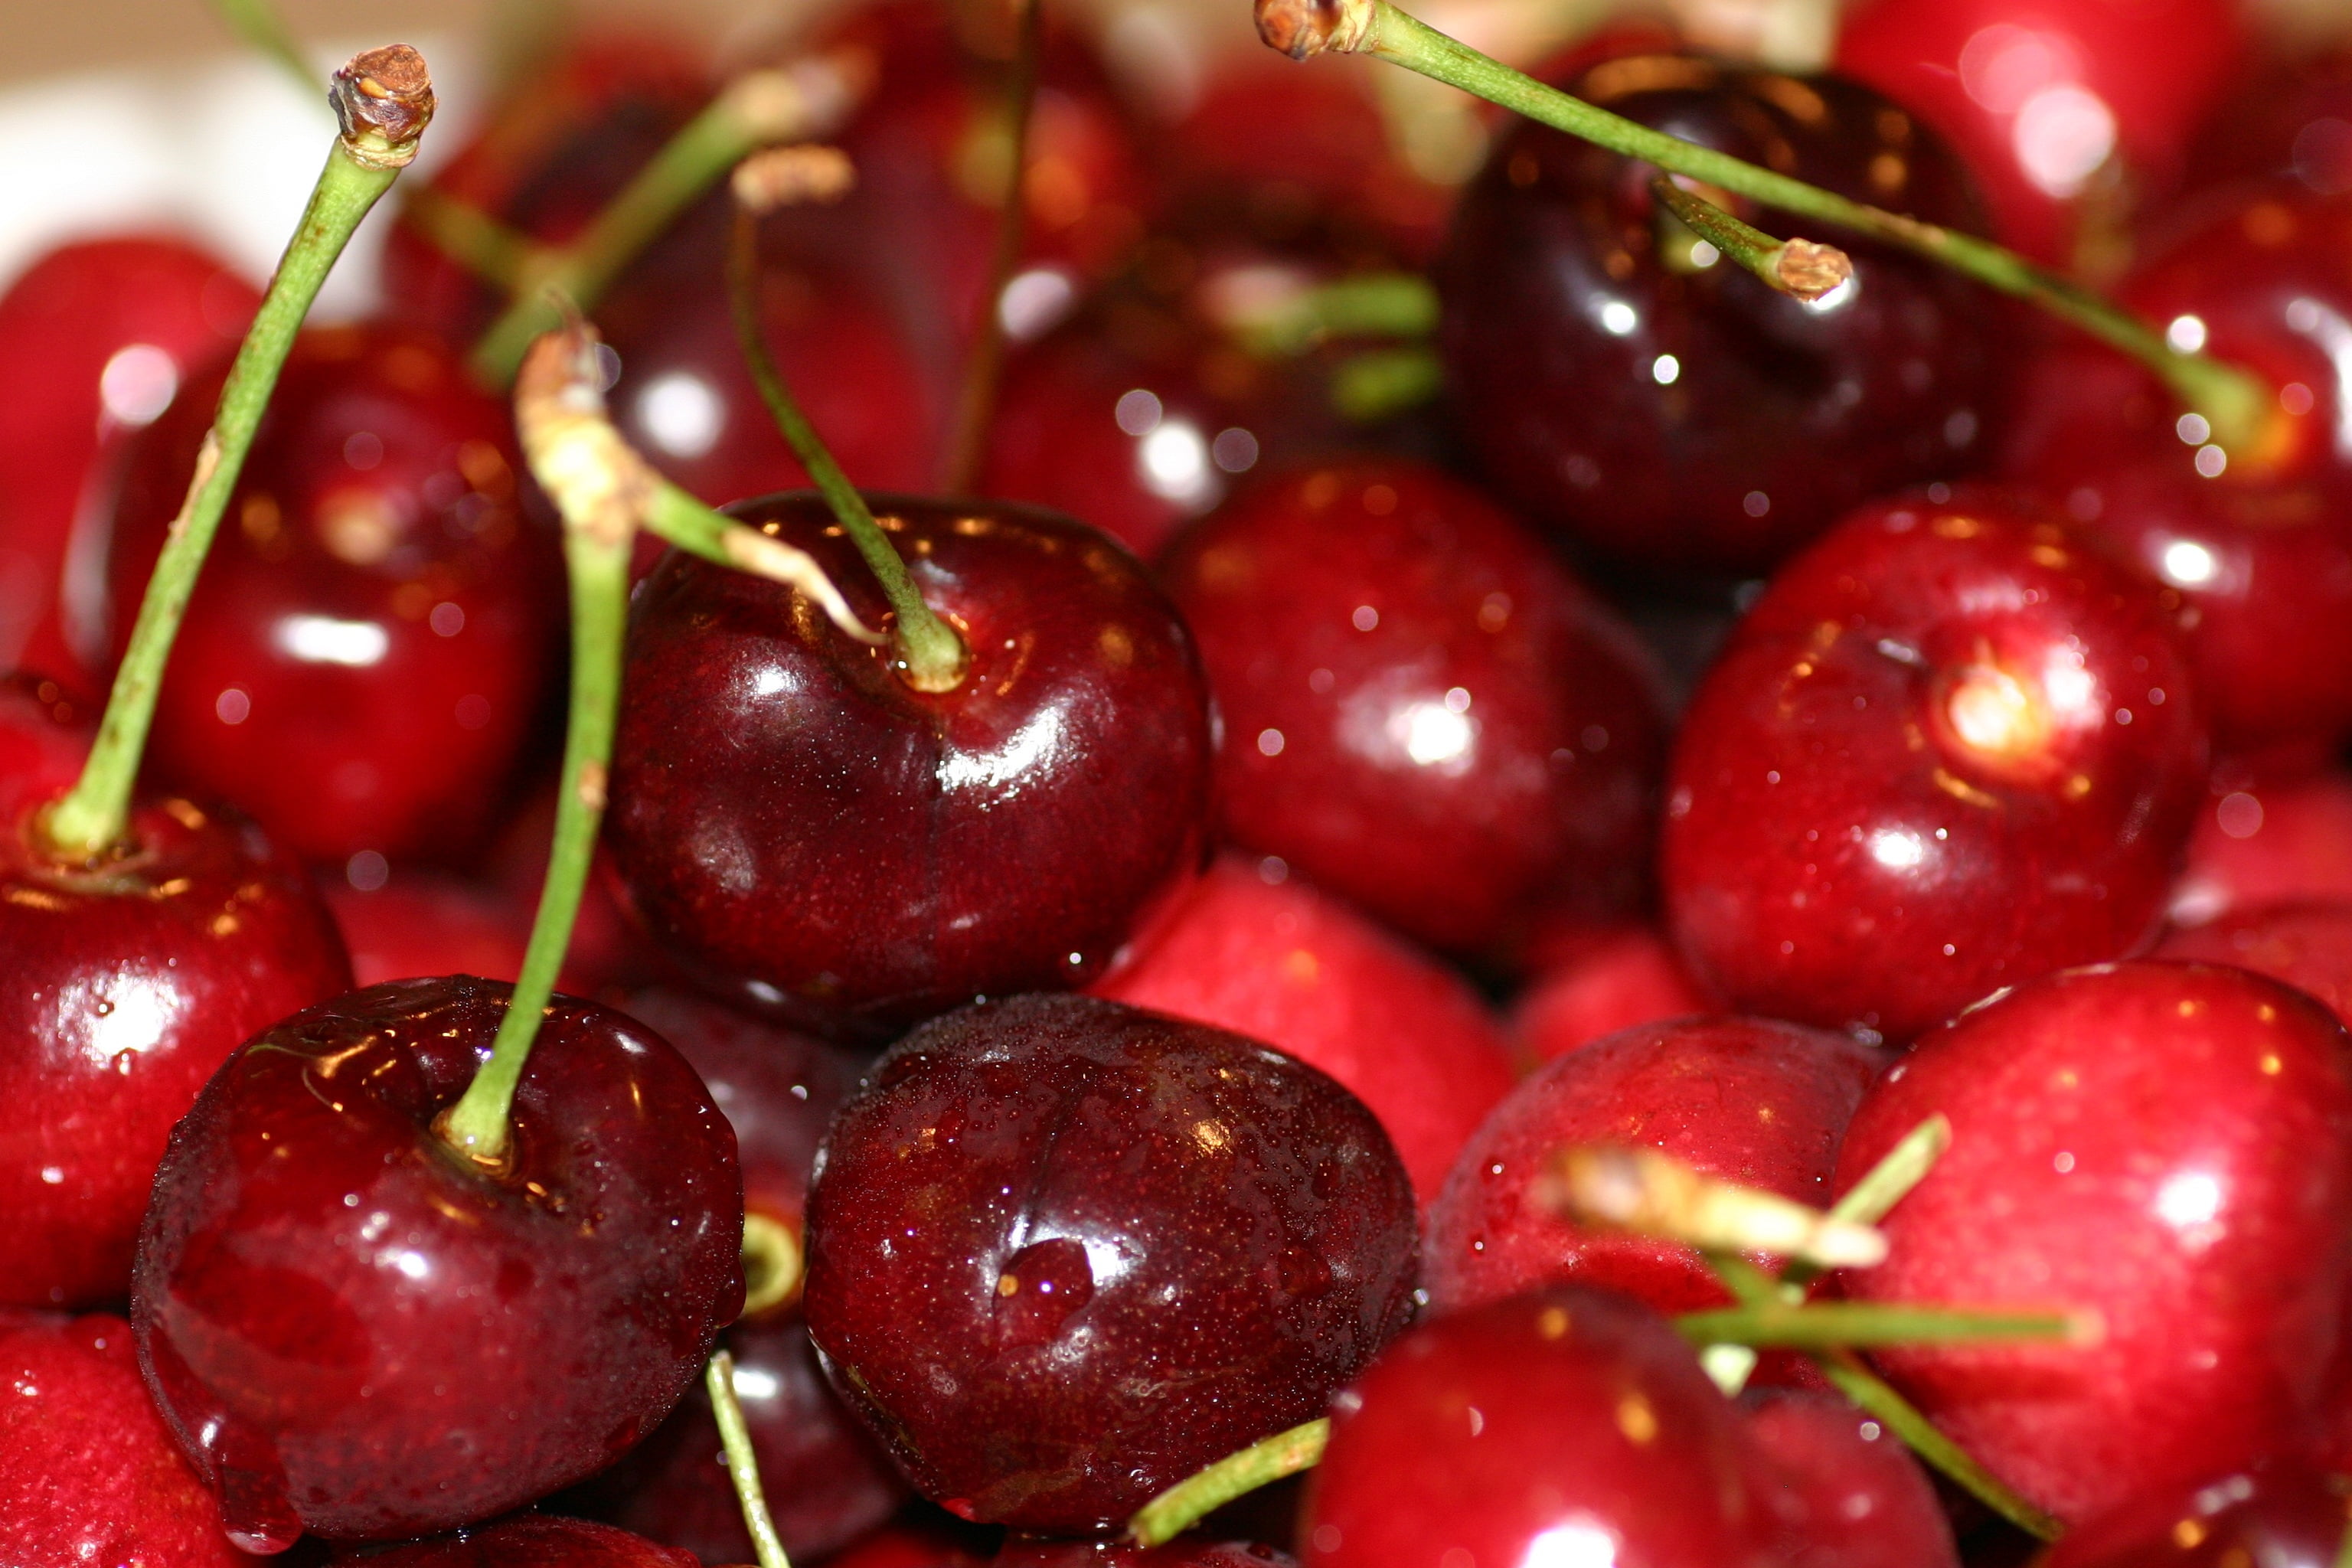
pixel 1850 1493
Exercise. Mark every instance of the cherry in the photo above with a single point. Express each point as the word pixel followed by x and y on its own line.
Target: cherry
pixel 1952 746
pixel 88 1472
pixel 420 923
pixel 2282 1515
pixel 933 1542
pixel 533 1541
pixel 1695 419
pixel 99 336
pixel 1850 1494
pixel 2264 842
pixel 2309 946
pixel 1759 1103
pixel 367 646
pixel 1566 1425
pixel 2165 1145
pixel 2291 116
pixel 805 829
pixel 1064 1252
pixel 1182 1553
pixel 1279 962
pixel 1422 711
pixel 355 1331
pixel 1612 981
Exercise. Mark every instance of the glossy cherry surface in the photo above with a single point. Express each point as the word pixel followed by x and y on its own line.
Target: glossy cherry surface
pixel 1280 962
pixel 1613 981
pixel 354 1330
pixel 1422 711
pixel 2282 1515
pixel 1064 1252
pixel 1759 1103
pixel 367 646
pixel 88 1471
pixel 1850 1495
pixel 2262 841
pixel 1951 747
pixel 804 829
pixel 2309 946
pixel 1566 1425
pixel 1695 419
pixel 535 1541
pixel 2165 1145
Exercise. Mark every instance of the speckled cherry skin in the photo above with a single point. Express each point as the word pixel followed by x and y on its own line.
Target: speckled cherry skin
pixel 2268 842
pixel 810 834
pixel 535 1541
pixel 1422 711
pixel 1808 412
pixel 1567 1416
pixel 366 649
pixel 2309 946
pixel 1761 1103
pixel 1064 1252
pixel 88 1471
pixel 1286 963
pixel 1953 746
pixel 2166 1145
pixel 2278 1515
pixel 354 1330
pixel 1849 1494
pixel 1612 981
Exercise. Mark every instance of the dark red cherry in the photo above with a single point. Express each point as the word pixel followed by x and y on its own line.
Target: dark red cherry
pixel 1953 746
pixel 355 1331
pixel 2165 1145
pixel 2289 117
pixel 1850 1495
pixel 2268 842
pixel 367 646
pixel 1064 1252
pixel 533 1541
pixel 97 337
pixel 804 829
pixel 1687 418
pixel 1422 711
pixel 2279 1515
pixel 932 1541
pixel 1759 1103
pixel 1186 1551
pixel 88 1471
pixel 1611 982
pixel 1566 1426
pixel 2309 946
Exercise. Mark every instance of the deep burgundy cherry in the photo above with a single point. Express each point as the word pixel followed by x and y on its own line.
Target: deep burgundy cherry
pixel 353 1329
pixel 1953 746
pixel 1759 1103
pixel 1613 981
pixel 808 831
pixel 1422 711
pixel 1251 950
pixel 1698 420
pixel 2309 946
pixel 1187 1551
pixel 1570 1426
pixel 2281 1515
pixel 533 1541
pixel 97 337
pixel 1849 1493
pixel 1064 1252
pixel 88 1471
pixel 2266 842
pixel 366 652
pixel 2165 1145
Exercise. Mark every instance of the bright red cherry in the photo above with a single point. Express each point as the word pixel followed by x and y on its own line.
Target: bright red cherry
pixel 804 829
pixel 425 923
pixel 534 1541
pixel 2280 1515
pixel 2166 1146
pixel 1282 963
pixel 1565 1427
pixel 1953 746
pixel 1064 1252
pixel 354 1330
pixel 1850 1495
pixel 1422 711
pixel 2309 946
pixel 2268 842
pixel 366 652
pixel 1612 982
pixel 1682 417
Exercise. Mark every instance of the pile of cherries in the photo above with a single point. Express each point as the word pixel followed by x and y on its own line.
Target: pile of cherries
pixel 1580 697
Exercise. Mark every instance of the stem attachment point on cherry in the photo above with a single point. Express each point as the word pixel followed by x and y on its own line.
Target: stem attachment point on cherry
pixel 773 1264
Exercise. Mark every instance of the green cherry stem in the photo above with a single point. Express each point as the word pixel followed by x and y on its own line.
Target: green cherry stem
pixel 1364 305
pixel 383 101
pixel 2237 403
pixel 472 238
pixel 259 25
pixel 1877 1398
pixel 1827 1325
pixel 930 655
pixel 1796 266
pixel 1370 386
pixel 1197 1496
pixel 743 1464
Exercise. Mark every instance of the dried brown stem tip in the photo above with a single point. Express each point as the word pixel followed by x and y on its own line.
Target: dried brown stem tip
pixel 1810 271
pixel 383 99
pixel 1650 1194
pixel 1305 28
pixel 596 478
pixel 791 176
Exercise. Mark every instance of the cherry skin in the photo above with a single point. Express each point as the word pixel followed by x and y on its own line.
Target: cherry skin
pixel 1064 1252
pixel 1422 711
pixel 808 833
pixel 2281 1515
pixel 354 1330
pixel 1951 747
pixel 2286 118
pixel 2268 842
pixel 534 1541
pixel 422 923
pixel 2168 1146
pixel 366 652
pixel 1185 1552
pixel 1613 981
pixel 2309 946
pixel 933 1543
pixel 1282 963
pixel 1850 1493
pixel 1699 420
pixel 88 1471
pixel 1568 1425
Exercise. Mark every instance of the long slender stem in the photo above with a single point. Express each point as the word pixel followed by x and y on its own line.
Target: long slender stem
pixel 473 238
pixel 384 100
pixel 261 25
pixel 1828 1324
pixel 1204 1492
pixel 742 1463
pixel 931 654
pixel 1876 1396
pixel 2238 407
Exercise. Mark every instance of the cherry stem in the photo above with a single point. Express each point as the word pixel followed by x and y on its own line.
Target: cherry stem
pixel 742 1463
pixel 930 655
pixel 1377 383
pixel 2238 405
pixel 1796 266
pixel 1197 1496
pixel 472 238
pixel 1883 1185
pixel 976 401
pixel 1830 1325
pixel 1368 305
pixel 261 25
pixel 383 101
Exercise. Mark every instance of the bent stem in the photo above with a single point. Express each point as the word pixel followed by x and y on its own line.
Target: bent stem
pixel 1197 1496
pixel 2235 403
pixel 743 1464
pixel 383 101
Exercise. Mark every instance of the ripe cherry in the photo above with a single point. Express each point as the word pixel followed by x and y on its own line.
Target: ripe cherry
pixel 535 1541
pixel 2262 841
pixel 1185 1552
pixel 1612 981
pixel 425 923
pixel 2282 1514
pixel 1850 1493
pixel 2309 946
